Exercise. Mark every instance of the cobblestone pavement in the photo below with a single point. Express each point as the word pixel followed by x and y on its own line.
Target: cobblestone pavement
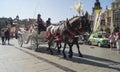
pixel 16 59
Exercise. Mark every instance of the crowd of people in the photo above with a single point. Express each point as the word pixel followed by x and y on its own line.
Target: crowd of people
pixel 114 39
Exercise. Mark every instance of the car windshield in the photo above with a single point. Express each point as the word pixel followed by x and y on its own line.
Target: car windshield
pixel 100 36
pixel 105 35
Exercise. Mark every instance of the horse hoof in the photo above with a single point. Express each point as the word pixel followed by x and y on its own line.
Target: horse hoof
pixel 80 55
pixel 64 56
pixel 58 51
pixel 70 56
pixel 47 49
pixel 36 49
pixel 51 53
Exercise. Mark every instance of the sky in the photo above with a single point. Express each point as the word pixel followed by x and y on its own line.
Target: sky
pixel 57 10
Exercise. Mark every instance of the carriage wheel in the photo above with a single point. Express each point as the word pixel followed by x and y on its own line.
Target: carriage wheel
pixel 52 43
pixel 34 44
pixel 20 40
pixel 37 44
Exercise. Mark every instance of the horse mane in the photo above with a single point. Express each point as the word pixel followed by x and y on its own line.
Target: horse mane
pixel 59 23
pixel 73 19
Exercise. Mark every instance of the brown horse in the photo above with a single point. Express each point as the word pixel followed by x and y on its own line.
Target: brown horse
pixel 65 29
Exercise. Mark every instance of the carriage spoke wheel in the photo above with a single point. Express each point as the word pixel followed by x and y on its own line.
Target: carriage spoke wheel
pixel 34 44
pixel 20 40
pixel 52 43
pixel 37 45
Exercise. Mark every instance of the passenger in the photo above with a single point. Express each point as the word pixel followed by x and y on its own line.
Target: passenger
pixel 48 22
pixel 41 26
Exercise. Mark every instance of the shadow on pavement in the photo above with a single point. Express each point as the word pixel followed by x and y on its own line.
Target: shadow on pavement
pixel 7 44
pixel 94 63
pixel 100 59
pixel 66 69
pixel 86 59
pixel 44 49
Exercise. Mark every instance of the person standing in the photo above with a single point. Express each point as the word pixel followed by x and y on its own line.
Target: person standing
pixel 7 35
pixel 111 40
pixel 118 40
pixel 3 36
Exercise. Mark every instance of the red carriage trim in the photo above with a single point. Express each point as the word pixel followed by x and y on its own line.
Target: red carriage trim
pixel 58 40
pixel 80 27
pixel 48 36
pixel 56 33
pixel 60 37
pixel 72 36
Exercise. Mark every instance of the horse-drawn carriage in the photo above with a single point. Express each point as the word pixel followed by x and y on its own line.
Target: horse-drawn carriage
pixel 54 34
pixel 31 36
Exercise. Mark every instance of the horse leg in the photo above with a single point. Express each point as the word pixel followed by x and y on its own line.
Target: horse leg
pixel 49 47
pixel 5 39
pixel 70 50
pixel 49 44
pixel 8 40
pixel 36 44
pixel 78 47
pixel 64 50
pixel 58 46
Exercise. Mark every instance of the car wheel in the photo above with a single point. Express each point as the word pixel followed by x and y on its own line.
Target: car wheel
pixel 99 44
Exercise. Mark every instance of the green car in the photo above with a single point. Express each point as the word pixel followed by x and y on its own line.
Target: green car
pixel 99 39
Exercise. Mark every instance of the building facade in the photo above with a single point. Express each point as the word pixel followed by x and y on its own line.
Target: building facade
pixel 116 14
pixel 110 18
pixel 106 24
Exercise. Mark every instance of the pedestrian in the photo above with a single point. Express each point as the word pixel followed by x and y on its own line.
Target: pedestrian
pixel 40 22
pixel 112 40
pixel 7 35
pixel 48 22
pixel 118 40
pixel 3 36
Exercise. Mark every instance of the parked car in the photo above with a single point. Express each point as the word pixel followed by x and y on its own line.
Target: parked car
pixel 99 39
